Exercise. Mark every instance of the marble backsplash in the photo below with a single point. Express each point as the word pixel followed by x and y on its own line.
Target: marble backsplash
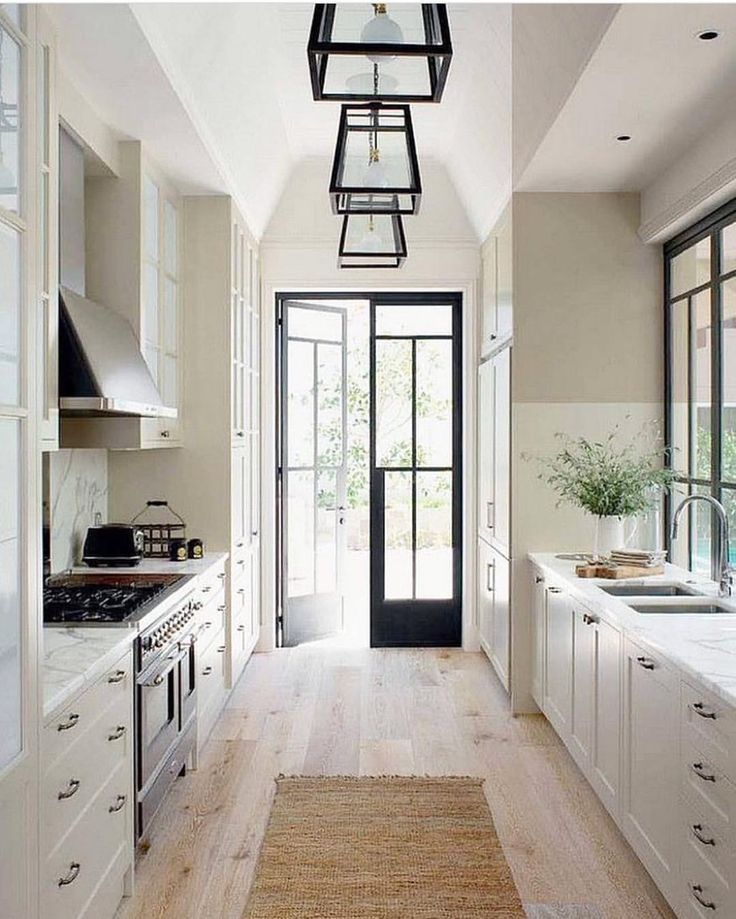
pixel 77 494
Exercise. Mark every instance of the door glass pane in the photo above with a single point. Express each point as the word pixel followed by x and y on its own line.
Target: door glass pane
pixel 150 303
pixel 9 316
pixel 317 323
pixel 329 405
pixel 414 319
pixel 393 403
pixel 728 248
pixel 10 81
pixel 701 395
pixel 10 592
pixel 170 239
pixel 397 536
pixel 150 219
pixel 680 338
pixel 300 546
pixel 434 403
pixel 728 450
pixel 301 403
pixel 690 268
pixel 326 531
pixel 434 535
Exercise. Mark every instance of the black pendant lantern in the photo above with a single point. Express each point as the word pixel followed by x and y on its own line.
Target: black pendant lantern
pixel 375 170
pixel 390 52
pixel 372 241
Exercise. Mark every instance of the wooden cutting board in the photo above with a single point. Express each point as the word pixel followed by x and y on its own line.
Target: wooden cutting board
pixel 618 573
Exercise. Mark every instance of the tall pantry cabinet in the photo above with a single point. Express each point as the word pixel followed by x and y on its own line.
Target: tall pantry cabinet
pixel 494 449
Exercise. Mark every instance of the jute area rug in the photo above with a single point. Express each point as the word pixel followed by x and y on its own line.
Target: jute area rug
pixel 381 848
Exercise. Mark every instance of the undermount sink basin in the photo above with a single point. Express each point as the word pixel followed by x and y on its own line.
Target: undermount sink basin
pixel 648 590
pixel 709 608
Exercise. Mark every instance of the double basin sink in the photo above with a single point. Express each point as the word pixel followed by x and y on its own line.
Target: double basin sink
pixel 673 599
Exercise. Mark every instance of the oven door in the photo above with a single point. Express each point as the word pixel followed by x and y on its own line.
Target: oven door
pixel 157 691
pixel 188 679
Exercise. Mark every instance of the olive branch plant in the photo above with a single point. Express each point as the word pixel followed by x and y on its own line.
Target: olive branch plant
pixel 608 478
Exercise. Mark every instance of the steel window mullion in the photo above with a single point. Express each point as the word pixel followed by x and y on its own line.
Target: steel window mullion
pixel 414 468
pixel 315 457
pixel 716 385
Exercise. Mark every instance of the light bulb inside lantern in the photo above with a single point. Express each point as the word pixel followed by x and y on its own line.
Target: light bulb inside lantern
pixel 371 241
pixel 381 30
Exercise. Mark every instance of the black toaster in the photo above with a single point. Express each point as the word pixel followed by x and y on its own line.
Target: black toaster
pixel 113 545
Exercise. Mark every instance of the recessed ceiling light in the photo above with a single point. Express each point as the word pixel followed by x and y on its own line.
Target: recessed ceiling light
pixel 623 137
pixel 708 34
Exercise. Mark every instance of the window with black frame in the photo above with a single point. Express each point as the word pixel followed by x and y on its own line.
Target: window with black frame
pixel 700 317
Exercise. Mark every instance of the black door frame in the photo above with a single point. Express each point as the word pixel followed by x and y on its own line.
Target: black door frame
pixel 421 609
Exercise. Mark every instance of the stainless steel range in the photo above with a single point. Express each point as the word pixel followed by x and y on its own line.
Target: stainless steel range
pixel 165 666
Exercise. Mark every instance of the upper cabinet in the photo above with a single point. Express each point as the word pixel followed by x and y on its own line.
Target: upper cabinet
pixel 47 172
pixel 133 241
pixel 496 287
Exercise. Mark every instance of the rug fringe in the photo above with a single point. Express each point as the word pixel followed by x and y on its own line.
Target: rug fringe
pixel 358 778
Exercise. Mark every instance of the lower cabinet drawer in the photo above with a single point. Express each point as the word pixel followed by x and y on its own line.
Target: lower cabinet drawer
pixel 211 619
pixel 62 732
pixel 72 872
pixel 706 839
pixel 705 785
pixel 72 781
pixel 706 893
pixel 211 672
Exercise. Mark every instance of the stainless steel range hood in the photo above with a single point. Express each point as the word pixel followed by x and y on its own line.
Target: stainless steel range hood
pixel 101 369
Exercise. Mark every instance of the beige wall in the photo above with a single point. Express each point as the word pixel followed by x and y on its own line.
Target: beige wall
pixel 588 354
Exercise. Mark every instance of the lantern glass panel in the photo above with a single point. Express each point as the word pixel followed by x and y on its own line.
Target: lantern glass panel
pixel 385 133
pixel 372 241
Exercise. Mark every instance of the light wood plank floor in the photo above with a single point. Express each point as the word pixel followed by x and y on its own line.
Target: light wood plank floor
pixel 322 710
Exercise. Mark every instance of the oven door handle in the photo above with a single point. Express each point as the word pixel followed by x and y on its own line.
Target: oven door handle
pixel 156 677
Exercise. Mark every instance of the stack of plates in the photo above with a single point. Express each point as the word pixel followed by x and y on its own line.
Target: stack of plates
pixel 639 558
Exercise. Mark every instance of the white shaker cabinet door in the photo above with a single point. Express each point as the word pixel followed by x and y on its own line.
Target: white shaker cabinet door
pixel 558 661
pixel 605 758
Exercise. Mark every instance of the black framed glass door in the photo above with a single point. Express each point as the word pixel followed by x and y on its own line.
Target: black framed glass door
pixel 416 470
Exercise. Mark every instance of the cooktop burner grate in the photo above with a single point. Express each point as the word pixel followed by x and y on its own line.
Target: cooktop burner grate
pixel 96 603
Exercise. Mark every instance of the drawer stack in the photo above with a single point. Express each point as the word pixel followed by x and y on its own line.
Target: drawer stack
pixel 708 804
pixel 243 611
pixel 87 800
pixel 210 603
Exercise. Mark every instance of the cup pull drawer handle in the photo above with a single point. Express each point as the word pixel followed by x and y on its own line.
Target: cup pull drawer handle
pixel 117 733
pixel 539 579
pixel 221 608
pixel 118 805
pixel 69 723
pixel 700 709
pixel 697 829
pixel 241 628
pixel 207 589
pixel 696 891
pixel 206 671
pixel 116 677
pixel 71 877
pixel 646 662
pixel 71 789
pixel 705 776
pixel 221 575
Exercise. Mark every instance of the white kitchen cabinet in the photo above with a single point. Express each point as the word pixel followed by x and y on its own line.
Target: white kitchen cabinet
pixel 87 800
pixel 494 451
pixel 651 756
pixel 539 616
pixel 496 287
pixel 582 709
pixel 558 661
pixel 133 265
pixel 494 609
pixel 605 753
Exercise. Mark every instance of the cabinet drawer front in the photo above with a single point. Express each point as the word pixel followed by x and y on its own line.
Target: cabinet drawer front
pixel 241 594
pixel 114 687
pixel 709 841
pixel 74 779
pixel 209 583
pixel 710 725
pixel 704 783
pixel 705 891
pixel 72 872
pixel 211 671
pixel 211 619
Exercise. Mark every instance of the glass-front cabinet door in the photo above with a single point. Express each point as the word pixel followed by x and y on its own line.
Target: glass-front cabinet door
pixel 19 460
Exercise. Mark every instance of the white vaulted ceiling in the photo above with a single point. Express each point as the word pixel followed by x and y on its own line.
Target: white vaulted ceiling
pixel 240 70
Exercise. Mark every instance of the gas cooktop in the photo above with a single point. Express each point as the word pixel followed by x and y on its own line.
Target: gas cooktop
pixel 104 599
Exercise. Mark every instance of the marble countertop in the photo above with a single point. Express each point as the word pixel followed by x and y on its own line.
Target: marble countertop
pixel 74 658
pixel 703 646
pixel 194 566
